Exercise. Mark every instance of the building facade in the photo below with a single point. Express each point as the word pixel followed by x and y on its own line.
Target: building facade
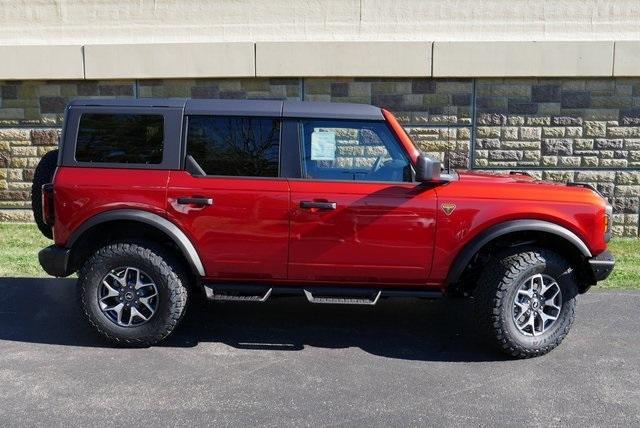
pixel 465 78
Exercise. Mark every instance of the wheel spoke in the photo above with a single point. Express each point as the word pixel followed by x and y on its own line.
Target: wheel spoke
pixel 524 307
pixel 524 321
pixel 546 317
pixel 135 272
pixel 552 304
pixel 141 285
pixel 116 308
pixel 145 302
pixel 111 292
pixel 546 288
pixel 115 278
pixel 535 281
pixel 531 321
pixel 528 293
pixel 136 313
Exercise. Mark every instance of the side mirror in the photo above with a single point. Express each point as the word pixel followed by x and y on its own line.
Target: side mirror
pixel 427 169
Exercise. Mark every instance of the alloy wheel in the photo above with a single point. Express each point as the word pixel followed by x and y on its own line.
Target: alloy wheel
pixel 128 297
pixel 537 305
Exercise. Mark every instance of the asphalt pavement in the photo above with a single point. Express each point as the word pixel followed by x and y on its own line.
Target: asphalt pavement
pixel 287 362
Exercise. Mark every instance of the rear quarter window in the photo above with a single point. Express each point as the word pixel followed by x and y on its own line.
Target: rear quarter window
pixel 235 146
pixel 120 138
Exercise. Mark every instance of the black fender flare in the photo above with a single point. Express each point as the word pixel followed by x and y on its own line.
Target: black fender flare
pixel 161 223
pixel 464 257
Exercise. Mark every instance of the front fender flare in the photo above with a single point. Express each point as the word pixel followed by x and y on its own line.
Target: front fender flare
pixel 463 258
pixel 161 223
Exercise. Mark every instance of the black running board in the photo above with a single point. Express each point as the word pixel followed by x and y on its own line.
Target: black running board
pixel 313 294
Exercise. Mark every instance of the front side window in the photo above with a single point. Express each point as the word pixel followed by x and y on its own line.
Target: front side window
pixel 235 146
pixel 120 138
pixel 352 150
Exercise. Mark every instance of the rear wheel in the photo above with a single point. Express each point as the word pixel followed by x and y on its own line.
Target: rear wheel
pixel 42 175
pixel 525 301
pixel 133 293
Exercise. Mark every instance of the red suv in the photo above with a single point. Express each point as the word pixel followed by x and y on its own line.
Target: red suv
pixel 150 199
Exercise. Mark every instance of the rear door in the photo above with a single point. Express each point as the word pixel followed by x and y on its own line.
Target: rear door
pixel 356 214
pixel 236 210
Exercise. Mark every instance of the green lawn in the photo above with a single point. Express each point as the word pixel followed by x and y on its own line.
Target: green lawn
pixel 20 243
pixel 19 246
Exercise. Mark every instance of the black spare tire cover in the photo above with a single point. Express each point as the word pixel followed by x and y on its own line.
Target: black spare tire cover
pixel 43 175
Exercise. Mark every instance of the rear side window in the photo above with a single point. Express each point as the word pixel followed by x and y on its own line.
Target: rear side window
pixel 235 146
pixel 120 138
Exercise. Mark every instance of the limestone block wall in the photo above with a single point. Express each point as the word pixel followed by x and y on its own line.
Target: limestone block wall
pixel 565 129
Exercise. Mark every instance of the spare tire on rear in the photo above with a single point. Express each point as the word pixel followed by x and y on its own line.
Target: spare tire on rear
pixel 42 175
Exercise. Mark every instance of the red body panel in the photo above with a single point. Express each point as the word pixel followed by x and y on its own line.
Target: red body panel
pixel 81 193
pixel 379 232
pixel 244 234
pixel 484 200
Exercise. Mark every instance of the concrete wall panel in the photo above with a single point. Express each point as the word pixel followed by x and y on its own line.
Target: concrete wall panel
pixel 41 62
pixel 169 60
pixel 522 59
pixel 627 59
pixel 410 59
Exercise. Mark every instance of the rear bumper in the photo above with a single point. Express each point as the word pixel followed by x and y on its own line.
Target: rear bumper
pixel 602 265
pixel 55 260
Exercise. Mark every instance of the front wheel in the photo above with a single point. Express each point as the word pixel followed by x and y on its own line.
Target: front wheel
pixel 134 294
pixel 525 301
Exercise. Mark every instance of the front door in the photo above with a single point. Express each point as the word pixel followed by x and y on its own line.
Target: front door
pixel 236 210
pixel 356 214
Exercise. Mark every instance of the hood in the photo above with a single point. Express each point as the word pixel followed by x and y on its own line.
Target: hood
pixel 530 185
pixel 497 177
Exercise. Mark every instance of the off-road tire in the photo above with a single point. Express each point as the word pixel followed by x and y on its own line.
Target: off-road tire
pixel 42 175
pixel 169 275
pixel 496 289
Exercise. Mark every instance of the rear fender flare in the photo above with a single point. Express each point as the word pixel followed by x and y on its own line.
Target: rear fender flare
pixel 161 223
pixel 465 256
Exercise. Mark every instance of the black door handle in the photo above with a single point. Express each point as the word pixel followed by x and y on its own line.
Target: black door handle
pixel 318 205
pixel 195 201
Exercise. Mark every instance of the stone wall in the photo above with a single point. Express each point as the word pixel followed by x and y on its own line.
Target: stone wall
pixel 557 129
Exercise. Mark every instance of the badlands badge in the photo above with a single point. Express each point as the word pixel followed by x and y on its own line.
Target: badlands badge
pixel 448 208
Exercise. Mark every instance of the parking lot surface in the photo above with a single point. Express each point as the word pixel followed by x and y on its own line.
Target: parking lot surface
pixel 402 362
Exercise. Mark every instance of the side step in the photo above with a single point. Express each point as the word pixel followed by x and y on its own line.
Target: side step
pixel 234 292
pixel 352 297
pixel 246 293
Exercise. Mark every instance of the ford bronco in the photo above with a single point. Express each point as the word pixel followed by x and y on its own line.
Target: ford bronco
pixel 150 200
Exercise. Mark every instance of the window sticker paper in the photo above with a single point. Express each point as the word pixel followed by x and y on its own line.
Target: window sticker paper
pixel 323 146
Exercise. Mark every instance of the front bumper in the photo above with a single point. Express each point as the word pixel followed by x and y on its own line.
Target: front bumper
pixel 55 260
pixel 602 265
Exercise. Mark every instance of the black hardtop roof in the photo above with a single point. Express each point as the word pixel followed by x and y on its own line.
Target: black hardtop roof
pixel 277 108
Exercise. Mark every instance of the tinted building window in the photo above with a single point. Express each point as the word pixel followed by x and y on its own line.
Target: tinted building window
pixel 120 138
pixel 235 146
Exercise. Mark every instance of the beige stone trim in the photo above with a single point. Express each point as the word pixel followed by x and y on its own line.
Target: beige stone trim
pixel 626 61
pixel 170 60
pixel 321 59
pixel 522 59
pixel 41 62
pixel 364 59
